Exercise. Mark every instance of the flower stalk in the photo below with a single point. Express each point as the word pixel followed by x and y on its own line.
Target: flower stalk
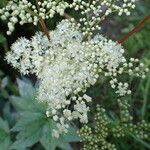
pixel 45 29
pixel 136 29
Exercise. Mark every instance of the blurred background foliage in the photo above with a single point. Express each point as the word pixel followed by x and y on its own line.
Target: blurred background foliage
pixel 137 46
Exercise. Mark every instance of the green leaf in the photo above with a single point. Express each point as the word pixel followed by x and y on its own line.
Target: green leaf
pixel 25 88
pixel 8 115
pixel 2 38
pixel 4 82
pixel 5 140
pixel 33 126
pixel 27 100
pixel 50 143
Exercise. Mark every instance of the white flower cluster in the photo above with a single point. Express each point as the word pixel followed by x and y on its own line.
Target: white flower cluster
pixel 23 11
pixel 122 88
pixel 134 68
pixel 66 66
pixel 95 11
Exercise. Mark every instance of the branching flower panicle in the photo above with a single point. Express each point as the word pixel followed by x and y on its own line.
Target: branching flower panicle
pixel 66 66
pixel 93 12
pixel 23 11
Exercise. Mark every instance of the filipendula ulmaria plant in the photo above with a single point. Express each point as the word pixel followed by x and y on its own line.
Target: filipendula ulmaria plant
pixel 70 59
pixel 99 135
pixel 32 125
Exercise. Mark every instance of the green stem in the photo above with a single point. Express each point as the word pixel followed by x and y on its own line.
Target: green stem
pixel 145 94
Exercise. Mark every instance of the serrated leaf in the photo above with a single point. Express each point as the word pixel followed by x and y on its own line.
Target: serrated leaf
pixel 25 88
pixel 47 140
pixel 33 125
pixel 50 143
pixel 27 100
pixel 8 115
pixel 71 136
pixel 27 121
pixel 20 103
pixel 5 140
pixel 27 104
pixel 29 141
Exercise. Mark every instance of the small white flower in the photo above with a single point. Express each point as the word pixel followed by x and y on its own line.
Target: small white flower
pixel 66 67
pixel 87 98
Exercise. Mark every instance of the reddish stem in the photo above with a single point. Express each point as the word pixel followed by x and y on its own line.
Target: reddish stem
pixel 45 29
pixel 137 28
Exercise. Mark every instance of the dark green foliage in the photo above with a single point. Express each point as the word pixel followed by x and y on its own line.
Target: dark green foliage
pixel 5 140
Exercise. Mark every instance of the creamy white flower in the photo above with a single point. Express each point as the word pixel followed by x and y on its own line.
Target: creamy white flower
pixel 66 67
pixel 25 11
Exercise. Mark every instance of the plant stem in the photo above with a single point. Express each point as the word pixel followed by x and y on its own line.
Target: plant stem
pixel 67 16
pixel 145 96
pixel 136 29
pixel 45 29
pixel 42 23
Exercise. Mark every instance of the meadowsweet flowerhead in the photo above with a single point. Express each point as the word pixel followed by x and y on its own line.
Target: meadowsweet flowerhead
pixel 66 67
